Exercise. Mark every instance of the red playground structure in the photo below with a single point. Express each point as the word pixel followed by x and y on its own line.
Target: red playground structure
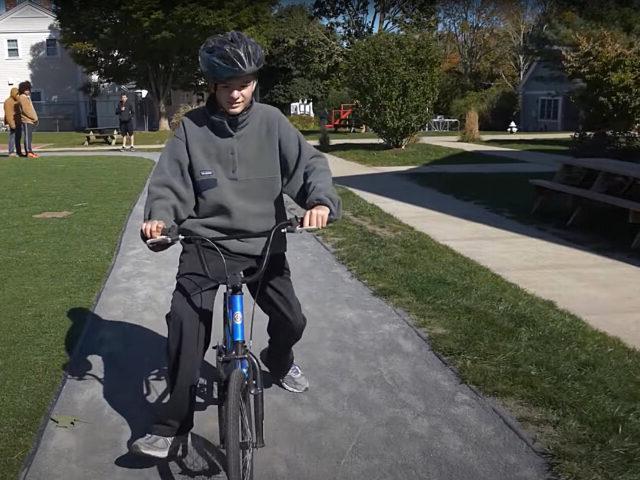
pixel 343 118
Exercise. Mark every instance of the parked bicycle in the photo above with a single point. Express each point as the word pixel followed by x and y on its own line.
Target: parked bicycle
pixel 240 383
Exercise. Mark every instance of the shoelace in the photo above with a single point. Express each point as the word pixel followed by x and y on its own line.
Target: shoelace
pixel 294 371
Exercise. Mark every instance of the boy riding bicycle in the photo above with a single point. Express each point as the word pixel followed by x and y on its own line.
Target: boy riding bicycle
pixel 224 171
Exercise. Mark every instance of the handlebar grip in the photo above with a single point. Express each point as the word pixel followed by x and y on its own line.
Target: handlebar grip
pixel 159 241
pixel 168 236
pixel 171 232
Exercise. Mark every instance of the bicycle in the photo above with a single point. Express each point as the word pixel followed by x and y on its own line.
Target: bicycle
pixel 239 371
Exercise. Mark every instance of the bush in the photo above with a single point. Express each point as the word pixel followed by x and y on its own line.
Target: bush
pixel 394 78
pixel 304 122
pixel 471 132
pixel 324 142
pixel 181 112
pixel 620 145
pixel 334 98
pixel 496 107
pixel 607 68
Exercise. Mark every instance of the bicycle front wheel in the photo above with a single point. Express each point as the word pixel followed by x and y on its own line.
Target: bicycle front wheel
pixel 239 441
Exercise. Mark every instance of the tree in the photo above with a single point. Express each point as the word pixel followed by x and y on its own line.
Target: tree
pixel 394 77
pixel 302 60
pixel 518 21
pixel 608 65
pixel 354 19
pixel 563 19
pixel 154 44
pixel 468 32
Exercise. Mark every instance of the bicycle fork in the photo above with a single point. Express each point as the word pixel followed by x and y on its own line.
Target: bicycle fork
pixel 248 362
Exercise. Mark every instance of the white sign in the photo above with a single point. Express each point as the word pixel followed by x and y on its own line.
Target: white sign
pixel 302 108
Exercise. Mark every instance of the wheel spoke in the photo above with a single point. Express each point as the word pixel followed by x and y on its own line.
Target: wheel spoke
pixel 247 441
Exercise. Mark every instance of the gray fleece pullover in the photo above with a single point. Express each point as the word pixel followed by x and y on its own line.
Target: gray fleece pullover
pixel 221 175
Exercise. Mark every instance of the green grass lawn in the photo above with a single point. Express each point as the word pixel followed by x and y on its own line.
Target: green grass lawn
pixel 511 195
pixel 376 155
pixel 544 145
pixel 576 389
pixel 48 267
pixel 75 139
pixel 314 134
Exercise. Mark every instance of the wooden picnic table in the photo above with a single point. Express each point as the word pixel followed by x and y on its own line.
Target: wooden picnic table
pixel 595 180
pixel 109 134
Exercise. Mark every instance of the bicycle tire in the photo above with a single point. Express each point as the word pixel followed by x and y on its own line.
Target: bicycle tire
pixel 239 440
pixel 220 400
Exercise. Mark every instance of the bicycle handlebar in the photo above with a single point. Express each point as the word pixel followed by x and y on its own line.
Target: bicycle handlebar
pixel 171 235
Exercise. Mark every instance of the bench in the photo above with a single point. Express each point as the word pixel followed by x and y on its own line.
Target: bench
pixel 109 134
pixel 611 182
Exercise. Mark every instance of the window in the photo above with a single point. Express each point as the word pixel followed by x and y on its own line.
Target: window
pixel 52 47
pixel 12 49
pixel 549 108
pixel 36 95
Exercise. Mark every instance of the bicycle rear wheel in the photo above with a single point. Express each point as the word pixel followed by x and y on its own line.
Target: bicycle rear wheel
pixel 239 441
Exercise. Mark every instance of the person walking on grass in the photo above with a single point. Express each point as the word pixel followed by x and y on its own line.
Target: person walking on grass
pixel 224 171
pixel 125 113
pixel 28 117
pixel 13 121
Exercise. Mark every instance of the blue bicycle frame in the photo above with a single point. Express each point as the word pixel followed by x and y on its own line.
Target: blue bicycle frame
pixel 234 324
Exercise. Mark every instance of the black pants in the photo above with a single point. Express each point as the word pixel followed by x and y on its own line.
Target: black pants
pixel 189 324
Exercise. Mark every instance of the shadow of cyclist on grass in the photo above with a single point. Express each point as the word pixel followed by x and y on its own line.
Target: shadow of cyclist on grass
pixel 132 371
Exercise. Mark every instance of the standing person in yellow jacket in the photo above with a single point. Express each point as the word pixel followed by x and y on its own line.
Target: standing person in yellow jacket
pixel 13 121
pixel 28 116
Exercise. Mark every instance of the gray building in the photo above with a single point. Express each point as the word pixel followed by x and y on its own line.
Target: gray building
pixel 545 99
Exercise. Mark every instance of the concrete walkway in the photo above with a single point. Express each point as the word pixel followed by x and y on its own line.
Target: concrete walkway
pixel 603 291
pixel 381 404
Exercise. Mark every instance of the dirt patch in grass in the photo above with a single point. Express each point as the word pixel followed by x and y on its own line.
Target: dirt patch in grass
pixel 62 214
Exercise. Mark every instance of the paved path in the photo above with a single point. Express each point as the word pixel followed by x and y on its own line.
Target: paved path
pixel 603 291
pixel 381 405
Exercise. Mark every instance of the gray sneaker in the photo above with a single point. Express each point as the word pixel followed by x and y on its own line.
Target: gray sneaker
pixel 153 446
pixel 294 380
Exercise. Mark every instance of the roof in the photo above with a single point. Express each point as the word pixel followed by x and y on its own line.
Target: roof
pixel 24 5
pixel 545 74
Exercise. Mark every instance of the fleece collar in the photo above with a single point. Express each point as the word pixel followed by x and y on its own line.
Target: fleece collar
pixel 221 121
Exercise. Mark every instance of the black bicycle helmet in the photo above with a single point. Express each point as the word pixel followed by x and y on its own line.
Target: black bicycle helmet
pixel 230 55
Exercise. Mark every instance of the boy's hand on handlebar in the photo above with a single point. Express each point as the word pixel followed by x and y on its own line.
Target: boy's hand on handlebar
pixel 152 228
pixel 316 217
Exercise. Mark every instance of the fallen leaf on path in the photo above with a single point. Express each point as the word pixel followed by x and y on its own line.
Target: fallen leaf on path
pixel 66 421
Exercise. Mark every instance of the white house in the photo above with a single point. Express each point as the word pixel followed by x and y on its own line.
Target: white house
pixel 30 50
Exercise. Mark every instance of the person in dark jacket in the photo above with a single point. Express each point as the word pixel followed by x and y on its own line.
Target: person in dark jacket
pixel 125 114
pixel 224 171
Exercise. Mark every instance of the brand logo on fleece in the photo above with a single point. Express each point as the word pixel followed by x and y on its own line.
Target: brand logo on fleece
pixel 206 173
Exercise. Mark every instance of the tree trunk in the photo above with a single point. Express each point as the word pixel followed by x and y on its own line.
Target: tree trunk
pixel 163 119
pixel 160 111
pixel 160 82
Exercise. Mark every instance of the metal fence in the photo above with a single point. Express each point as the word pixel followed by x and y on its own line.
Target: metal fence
pixel 70 116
